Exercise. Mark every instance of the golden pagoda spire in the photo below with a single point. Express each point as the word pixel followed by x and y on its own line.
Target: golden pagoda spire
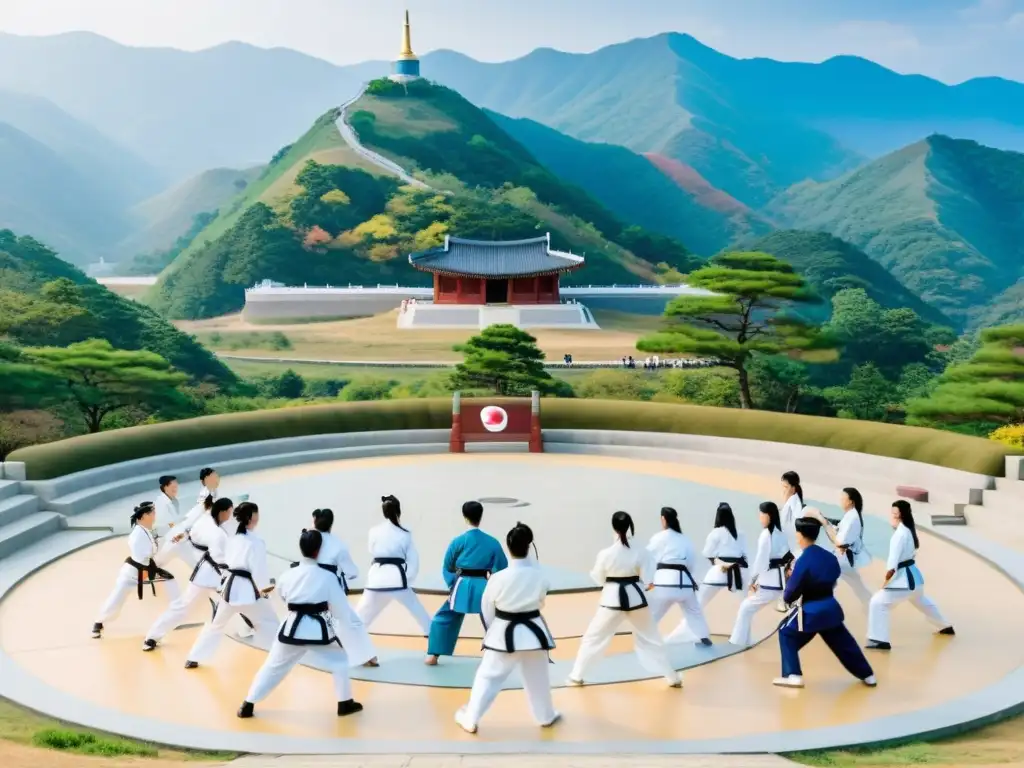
pixel 406 52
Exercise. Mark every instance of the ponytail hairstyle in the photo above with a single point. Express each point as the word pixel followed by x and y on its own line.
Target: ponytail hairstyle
pixel 519 540
pixel 216 507
pixel 323 520
pixel 143 508
pixel 622 524
pixel 771 509
pixel 724 518
pixel 907 518
pixel 208 502
pixel 392 509
pixel 794 480
pixel 243 514
pixel 858 504
pixel 671 518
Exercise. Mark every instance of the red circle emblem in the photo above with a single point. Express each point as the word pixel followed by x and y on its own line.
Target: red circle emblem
pixel 494 418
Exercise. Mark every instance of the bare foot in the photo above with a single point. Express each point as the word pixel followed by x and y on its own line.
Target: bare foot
pixel 430 661
pixel 372 663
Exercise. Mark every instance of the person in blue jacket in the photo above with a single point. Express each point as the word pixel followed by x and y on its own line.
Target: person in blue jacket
pixel 816 612
pixel 470 559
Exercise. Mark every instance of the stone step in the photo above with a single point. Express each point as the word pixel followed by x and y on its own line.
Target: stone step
pixel 28 530
pixel 17 507
pixel 9 488
pixel 949 520
pixel 1004 502
pixel 1009 486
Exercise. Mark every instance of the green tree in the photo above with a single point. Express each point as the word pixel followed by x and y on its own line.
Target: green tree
pixel 23 384
pixel 779 383
pixel 504 360
pixel 868 395
pixel 988 388
pixel 744 315
pixel 100 380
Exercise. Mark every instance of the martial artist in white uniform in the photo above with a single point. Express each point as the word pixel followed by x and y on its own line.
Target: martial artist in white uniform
pixel 173 527
pixel 726 548
pixel 312 595
pixel 673 583
pixel 792 509
pixel 396 564
pixel 334 557
pixel 767 572
pixel 848 538
pixel 245 587
pixel 903 581
pixel 623 571
pixel 168 507
pixel 209 538
pixel 517 636
pixel 139 569
pixel 209 484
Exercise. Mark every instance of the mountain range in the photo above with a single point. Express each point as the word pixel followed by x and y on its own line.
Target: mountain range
pixel 662 132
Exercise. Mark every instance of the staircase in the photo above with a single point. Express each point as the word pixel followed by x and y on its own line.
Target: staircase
pixel 22 521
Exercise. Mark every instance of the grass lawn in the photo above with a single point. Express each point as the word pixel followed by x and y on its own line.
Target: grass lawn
pixel 21 729
pixel 378 338
pixel 1000 744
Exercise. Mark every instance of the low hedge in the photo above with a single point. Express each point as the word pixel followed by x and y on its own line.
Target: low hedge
pixel 944 449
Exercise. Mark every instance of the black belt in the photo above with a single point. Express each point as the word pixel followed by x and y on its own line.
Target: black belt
pixel 816 595
pixel 623 582
pixel 331 569
pixel 779 564
pixel 200 547
pixel 525 620
pixel 206 558
pixel 239 573
pixel 683 570
pixel 302 611
pixel 733 572
pixel 153 573
pixel 473 573
pixel 911 583
pixel 396 561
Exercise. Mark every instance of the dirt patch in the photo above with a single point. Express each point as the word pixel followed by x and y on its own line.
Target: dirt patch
pixel 20 756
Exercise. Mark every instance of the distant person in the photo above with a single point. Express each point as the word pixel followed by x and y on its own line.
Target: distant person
pixel 313 596
pixel 470 560
pixel 673 583
pixel 809 588
pixel 623 571
pixel 517 637
pixel 903 581
pixel 395 566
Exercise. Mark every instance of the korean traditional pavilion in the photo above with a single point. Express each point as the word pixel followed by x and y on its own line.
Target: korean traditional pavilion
pixel 496 272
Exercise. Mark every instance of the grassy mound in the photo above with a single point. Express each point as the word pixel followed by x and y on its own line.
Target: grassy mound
pixel 944 449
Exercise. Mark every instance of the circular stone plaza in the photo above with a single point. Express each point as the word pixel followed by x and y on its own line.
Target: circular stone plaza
pixel 65 508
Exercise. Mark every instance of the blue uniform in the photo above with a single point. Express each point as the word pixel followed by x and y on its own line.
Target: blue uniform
pixel 470 558
pixel 815 574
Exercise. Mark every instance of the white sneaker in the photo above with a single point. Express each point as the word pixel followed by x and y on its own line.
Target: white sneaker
pixel 553 720
pixel 870 682
pixel 675 682
pixel 460 720
pixel 792 681
pixel 245 632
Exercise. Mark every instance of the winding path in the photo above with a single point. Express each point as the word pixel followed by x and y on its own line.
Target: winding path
pixel 380 161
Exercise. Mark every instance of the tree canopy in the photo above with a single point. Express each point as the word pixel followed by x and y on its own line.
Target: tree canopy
pixel 988 388
pixel 744 314
pixel 101 380
pixel 504 360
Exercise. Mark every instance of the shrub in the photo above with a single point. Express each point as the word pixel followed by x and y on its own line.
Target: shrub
pixel 367 389
pixel 941 448
pixel 617 385
pixel 1011 435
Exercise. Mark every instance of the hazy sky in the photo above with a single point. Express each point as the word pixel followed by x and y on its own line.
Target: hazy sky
pixel 949 39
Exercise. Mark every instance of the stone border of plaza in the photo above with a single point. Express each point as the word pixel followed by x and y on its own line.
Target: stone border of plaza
pixel 996 701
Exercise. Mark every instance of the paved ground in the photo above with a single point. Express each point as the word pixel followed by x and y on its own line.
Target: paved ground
pixel 517 761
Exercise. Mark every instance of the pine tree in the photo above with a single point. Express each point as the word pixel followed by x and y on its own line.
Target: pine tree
pixel 505 360
pixel 744 314
pixel 988 388
pixel 99 379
